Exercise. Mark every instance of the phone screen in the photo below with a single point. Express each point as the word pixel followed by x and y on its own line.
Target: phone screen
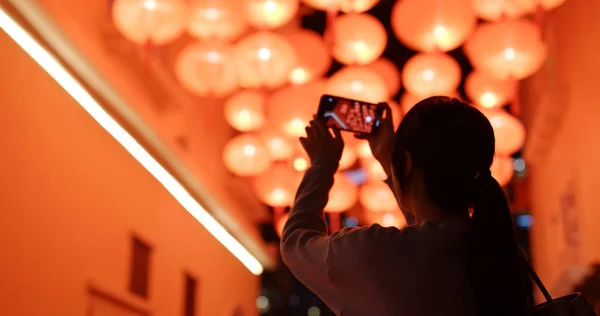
pixel 350 115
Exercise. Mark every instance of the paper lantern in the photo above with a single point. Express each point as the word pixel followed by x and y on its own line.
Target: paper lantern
pixel 502 169
pixel 397 113
pixel 429 74
pixel 342 196
pixel 277 186
pixel 392 219
pixel 496 10
pixel 508 49
pixel 358 83
pixel 388 72
pixel 222 19
pixel 246 155
pixel 374 170
pixel 349 155
pixel 433 25
pixel 290 109
pixel 508 130
pixel 355 6
pixel 264 59
pixel 271 13
pixel 245 110
pixel 205 68
pixel 359 39
pixel 279 145
pixel 487 91
pixel 377 197
pixel 363 150
pixel 280 223
pixel 150 21
pixel 313 57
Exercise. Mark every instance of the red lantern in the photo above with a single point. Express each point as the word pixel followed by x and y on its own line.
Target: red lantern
pixel 433 25
pixel 429 74
pixel 220 19
pixel 496 10
pixel 355 6
pixel 358 83
pixel 487 91
pixel 279 145
pixel 207 68
pixel 246 155
pixel 503 169
pixel 150 21
pixel 277 187
pixel 271 13
pixel 377 197
pixel 388 72
pixel 508 130
pixel 264 59
pixel 312 63
pixel 359 39
pixel 245 110
pixel 510 49
pixel 342 196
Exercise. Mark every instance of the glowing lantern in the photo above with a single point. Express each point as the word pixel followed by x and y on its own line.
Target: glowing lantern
pixel 280 223
pixel 359 39
pixel 502 169
pixel 313 56
pixel 349 154
pixel 397 113
pixel 264 59
pixel 496 10
pixel 508 130
pixel 277 187
pixel 206 68
pixel 487 91
pixel 433 25
pixel 245 109
pixel 374 170
pixel 377 197
pixel 246 155
pixel 355 6
pixel 271 13
pixel 508 49
pixel 343 195
pixel 220 19
pixel 358 83
pixel 363 150
pixel 429 74
pixel 392 219
pixel 291 108
pixel 389 72
pixel 150 21
pixel 280 147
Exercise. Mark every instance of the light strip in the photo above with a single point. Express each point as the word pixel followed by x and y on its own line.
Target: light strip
pixel 51 65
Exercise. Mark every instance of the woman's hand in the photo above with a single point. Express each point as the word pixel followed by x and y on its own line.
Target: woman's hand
pixel 323 148
pixel 382 141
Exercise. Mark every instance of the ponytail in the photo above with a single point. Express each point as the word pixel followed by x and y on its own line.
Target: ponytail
pixel 498 278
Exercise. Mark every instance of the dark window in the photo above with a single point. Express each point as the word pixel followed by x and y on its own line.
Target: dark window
pixel 140 268
pixel 190 296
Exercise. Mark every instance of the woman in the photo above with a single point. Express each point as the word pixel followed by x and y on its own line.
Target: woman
pixel 446 262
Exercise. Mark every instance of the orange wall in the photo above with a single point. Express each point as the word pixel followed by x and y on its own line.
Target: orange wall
pixel 70 200
pixel 573 33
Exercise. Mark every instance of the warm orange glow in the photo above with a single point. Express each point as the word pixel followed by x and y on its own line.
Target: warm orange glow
pixel 349 155
pixel 280 223
pixel 207 68
pixel 508 130
pixel 376 196
pixel 355 6
pixel 246 155
pixel 433 25
pixel 245 110
pixel 277 186
pixel 150 21
pixel 264 59
pixel 507 49
pixel 270 13
pixel 389 72
pixel 291 108
pixel 300 164
pixel 503 169
pixel 429 74
pixel 397 113
pixel 279 145
pixel 343 195
pixel 487 91
pixel 496 10
pixel 392 219
pixel 358 83
pixel 363 150
pixel 313 57
pixel 216 19
pixel 374 170
pixel 359 39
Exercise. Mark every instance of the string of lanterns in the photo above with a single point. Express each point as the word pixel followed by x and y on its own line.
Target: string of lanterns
pixel 272 77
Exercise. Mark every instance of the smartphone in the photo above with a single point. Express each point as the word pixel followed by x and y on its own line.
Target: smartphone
pixel 350 115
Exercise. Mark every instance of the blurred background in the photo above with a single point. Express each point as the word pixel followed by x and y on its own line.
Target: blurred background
pixel 150 155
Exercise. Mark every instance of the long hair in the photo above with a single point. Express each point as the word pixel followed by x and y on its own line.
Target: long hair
pixel 452 144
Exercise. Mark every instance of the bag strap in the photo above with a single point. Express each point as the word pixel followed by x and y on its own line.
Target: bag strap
pixel 535 277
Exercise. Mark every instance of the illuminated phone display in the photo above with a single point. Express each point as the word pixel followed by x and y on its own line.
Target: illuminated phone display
pixel 350 115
